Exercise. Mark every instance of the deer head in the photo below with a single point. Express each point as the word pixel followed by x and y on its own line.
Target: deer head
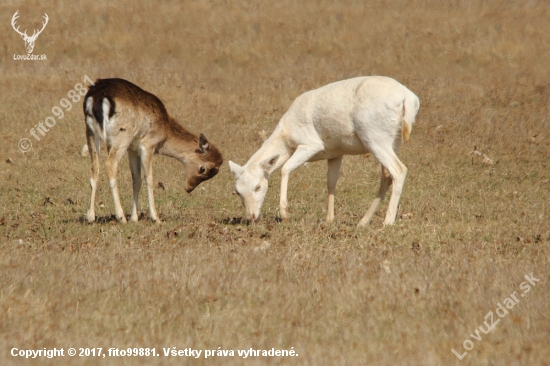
pixel 202 165
pixel 29 41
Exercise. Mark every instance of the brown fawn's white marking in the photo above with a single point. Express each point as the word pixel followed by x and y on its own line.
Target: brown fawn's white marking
pixel 355 116
pixel 126 118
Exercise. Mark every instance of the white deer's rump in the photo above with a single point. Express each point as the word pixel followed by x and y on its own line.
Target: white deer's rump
pixel 355 116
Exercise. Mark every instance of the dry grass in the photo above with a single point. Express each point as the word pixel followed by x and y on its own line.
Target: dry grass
pixel 405 295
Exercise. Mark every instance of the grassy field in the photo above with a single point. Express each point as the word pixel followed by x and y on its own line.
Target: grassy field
pixel 474 217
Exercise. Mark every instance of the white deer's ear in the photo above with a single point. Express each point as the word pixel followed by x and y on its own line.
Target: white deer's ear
pixel 203 143
pixel 236 169
pixel 268 164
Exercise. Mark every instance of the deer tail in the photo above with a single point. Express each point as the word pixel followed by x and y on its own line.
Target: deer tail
pixel 411 105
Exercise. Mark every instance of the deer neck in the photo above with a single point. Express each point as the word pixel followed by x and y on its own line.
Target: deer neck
pixel 274 145
pixel 178 146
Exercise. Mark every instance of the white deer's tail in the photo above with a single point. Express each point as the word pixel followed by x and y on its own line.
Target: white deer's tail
pixel 411 104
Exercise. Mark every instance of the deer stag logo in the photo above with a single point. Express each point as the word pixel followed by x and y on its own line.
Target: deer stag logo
pixel 29 41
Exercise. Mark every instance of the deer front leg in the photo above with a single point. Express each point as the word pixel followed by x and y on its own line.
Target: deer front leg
pixel 147 165
pixel 135 166
pixel 111 165
pixel 93 148
pixel 333 173
pixel 302 154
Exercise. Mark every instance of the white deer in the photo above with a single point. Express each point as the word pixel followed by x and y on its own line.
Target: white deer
pixel 29 41
pixel 126 118
pixel 364 114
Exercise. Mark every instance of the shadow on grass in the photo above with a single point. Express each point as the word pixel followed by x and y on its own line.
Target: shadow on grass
pixel 110 219
pixel 243 221
pixel 235 221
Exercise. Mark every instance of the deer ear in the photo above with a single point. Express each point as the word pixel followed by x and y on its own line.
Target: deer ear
pixel 236 169
pixel 203 143
pixel 268 164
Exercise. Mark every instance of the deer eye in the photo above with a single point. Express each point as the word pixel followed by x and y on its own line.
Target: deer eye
pixel 202 170
pixel 257 189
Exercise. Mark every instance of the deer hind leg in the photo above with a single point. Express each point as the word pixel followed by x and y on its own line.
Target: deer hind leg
pixel 385 181
pixel 302 154
pixel 135 166
pixel 398 173
pixel 93 148
pixel 111 165
pixel 393 172
pixel 147 166
pixel 333 173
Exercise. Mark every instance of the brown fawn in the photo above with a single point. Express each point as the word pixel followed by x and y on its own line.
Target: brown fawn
pixel 126 118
